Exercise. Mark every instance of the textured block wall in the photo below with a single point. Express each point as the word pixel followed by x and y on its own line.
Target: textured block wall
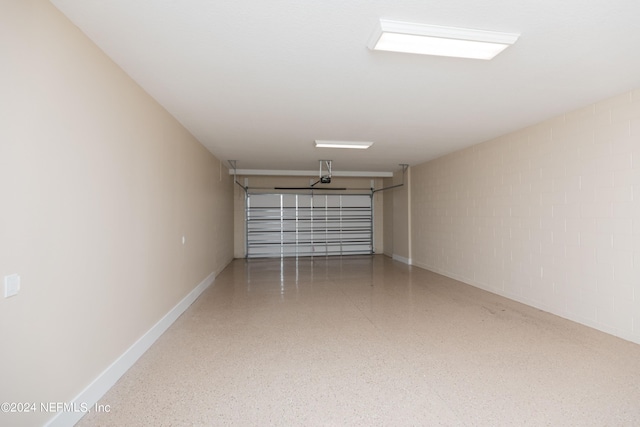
pixel 549 215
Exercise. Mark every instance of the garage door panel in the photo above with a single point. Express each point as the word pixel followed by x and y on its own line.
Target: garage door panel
pixel 308 225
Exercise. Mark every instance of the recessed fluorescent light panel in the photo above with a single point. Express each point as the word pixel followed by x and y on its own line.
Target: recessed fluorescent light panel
pixel 424 39
pixel 358 145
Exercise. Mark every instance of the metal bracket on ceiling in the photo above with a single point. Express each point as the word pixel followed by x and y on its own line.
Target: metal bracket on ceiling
pixel 404 167
pixel 233 164
pixel 324 178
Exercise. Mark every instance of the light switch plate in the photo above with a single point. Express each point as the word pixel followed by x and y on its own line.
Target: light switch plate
pixel 11 285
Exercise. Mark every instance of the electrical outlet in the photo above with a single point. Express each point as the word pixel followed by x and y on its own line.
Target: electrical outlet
pixel 11 285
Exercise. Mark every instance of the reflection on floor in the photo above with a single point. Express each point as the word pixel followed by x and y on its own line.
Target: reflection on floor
pixel 370 341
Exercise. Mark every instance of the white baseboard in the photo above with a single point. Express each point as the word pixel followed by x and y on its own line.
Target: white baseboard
pixel 402 259
pixel 99 386
pixel 423 266
pixel 533 303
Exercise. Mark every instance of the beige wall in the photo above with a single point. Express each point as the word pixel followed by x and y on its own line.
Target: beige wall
pixel 397 217
pixel 239 227
pixel 267 183
pixel 549 215
pixel 378 218
pixel 387 228
pixel 402 216
pixel 98 184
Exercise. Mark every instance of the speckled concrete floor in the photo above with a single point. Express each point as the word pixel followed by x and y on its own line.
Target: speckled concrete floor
pixel 370 341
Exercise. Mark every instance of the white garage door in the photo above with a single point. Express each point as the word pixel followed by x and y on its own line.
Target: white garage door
pixel 284 225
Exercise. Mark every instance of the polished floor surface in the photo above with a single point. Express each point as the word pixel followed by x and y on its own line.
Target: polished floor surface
pixel 369 341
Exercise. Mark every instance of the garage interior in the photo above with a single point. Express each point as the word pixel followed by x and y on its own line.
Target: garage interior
pixel 250 213
pixel 365 340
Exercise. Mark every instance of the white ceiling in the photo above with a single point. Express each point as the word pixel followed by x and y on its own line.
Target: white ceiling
pixel 258 81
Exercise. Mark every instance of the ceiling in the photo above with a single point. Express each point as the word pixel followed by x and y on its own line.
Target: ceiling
pixel 258 81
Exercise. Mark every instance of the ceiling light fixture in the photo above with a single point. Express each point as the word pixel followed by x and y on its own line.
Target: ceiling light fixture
pixel 358 145
pixel 424 39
